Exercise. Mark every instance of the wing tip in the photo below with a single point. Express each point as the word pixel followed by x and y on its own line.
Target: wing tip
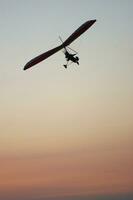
pixel 94 20
pixel 28 65
pixel 25 67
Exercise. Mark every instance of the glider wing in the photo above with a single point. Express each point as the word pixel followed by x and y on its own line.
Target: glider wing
pixel 42 57
pixel 78 32
pixel 67 42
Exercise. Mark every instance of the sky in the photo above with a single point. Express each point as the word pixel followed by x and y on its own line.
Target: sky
pixel 66 133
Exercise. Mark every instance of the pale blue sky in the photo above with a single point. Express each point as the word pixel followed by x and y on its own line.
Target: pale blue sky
pixel 29 28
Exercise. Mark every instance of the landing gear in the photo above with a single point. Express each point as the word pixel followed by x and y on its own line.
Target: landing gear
pixel 65 66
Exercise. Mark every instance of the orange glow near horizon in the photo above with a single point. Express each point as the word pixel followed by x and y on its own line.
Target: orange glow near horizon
pixel 87 170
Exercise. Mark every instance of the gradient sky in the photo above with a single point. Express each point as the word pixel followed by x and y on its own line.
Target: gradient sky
pixel 66 134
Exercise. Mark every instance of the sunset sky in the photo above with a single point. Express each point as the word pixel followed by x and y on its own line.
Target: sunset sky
pixel 66 134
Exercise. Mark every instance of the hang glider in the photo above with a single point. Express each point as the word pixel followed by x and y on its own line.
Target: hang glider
pixel 69 56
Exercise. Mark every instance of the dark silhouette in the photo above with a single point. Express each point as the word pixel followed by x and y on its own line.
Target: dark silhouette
pixel 69 56
pixel 67 42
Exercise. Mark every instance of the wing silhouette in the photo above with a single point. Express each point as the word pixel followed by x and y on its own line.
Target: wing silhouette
pixel 78 32
pixel 42 57
pixel 67 42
